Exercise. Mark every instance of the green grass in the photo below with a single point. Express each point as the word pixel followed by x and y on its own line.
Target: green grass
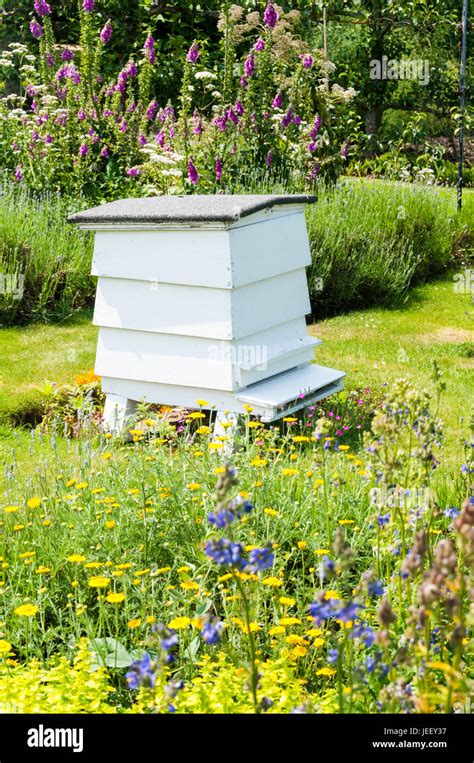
pixel 372 346
pixel 36 354
pixel 378 345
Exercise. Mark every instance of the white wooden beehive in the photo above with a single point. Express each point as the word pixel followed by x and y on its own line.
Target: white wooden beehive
pixel 205 297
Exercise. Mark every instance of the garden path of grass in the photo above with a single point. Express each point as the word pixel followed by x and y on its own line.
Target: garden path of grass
pixel 372 347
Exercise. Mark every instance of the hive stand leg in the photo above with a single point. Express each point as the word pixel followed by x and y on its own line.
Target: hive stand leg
pixel 222 429
pixel 117 413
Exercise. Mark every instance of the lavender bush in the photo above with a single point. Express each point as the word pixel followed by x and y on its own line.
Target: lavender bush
pixel 264 112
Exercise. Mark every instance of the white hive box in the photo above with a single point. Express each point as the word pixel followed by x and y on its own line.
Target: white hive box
pixel 205 297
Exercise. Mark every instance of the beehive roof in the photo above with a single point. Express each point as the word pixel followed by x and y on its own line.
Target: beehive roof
pixel 185 209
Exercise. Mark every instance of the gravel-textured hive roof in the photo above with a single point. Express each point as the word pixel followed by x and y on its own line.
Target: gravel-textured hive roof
pixel 185 209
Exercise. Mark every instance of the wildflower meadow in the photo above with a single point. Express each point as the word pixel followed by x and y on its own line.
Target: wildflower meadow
pixel 320 564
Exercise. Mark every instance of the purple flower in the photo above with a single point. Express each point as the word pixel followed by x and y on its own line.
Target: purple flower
pixel 142 140
pixel 105 152
pixel 211 631
pixel 221 122
pixel 232 116
pixel 131 69
pixel 277 101
pixel 249 65
pixel 36 29
pixel 197 128
pixel 193 174
pixel 260 44
pixel 67 55
pixel 261 558
pixel 160 138
pixel 49 139
pixel 239 108
pixel 106 32
pixel 88 5
pixel 133 172
pixel 270 17
pixel 142 673
pixel 149 49
pixel 234 149
pixel 218 169
pixel 287 119
pixel 42 8
pixel 244 83
pixel 315 130
pixel 81 115
pixel 312 174
pixel 307 60
pixel 296 119
pixel 108 113
pixel 151 110
pixel 269 159
pixel 193 53
pixel 50 59
pixel 19 174
pixel 84 149
pixel 225 553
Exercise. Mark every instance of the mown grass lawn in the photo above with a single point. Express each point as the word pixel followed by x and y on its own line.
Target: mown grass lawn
pixel 371 346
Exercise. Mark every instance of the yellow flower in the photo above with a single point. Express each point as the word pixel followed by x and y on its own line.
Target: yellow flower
pixel 107 455
pixel 271 512
pixel 124 566
pixel 286 601
pixel 332 595
pixel 318 482
pixel 132 624
pixel 77 558
pixel 190 585
pixel 325 672
pixel 219 470
pixel 27 554
pixel 99 582
pixel 203 430
pixel 196 415
pixel 300 438
pixel 81 485
pixel 26 610
pixel 215 445
pixel 277 630
pixel 346 521
pixel 322 551
pixel 5 647
pixel 289 621
pixel 318 642
pixel 42 570
pixel 179 623
pixel 150 619
pixel 299 651
pixel 93 565
pixel 115 598
pixel 34 502
pixel 194 486
pixel 80 609
pixel 202 403
pixel 344 447
pixel 11 509
pixel 248 408
pixel 110 524
pixel 290 419
pixel 313 632
pixel 272 582
pixel 296 640
pixel 162 570
pixel 302 544
pixel 290 472
pixel 184 568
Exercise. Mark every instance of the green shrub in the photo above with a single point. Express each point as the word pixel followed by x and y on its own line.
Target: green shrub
pixel 44 263
pixel 371 242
